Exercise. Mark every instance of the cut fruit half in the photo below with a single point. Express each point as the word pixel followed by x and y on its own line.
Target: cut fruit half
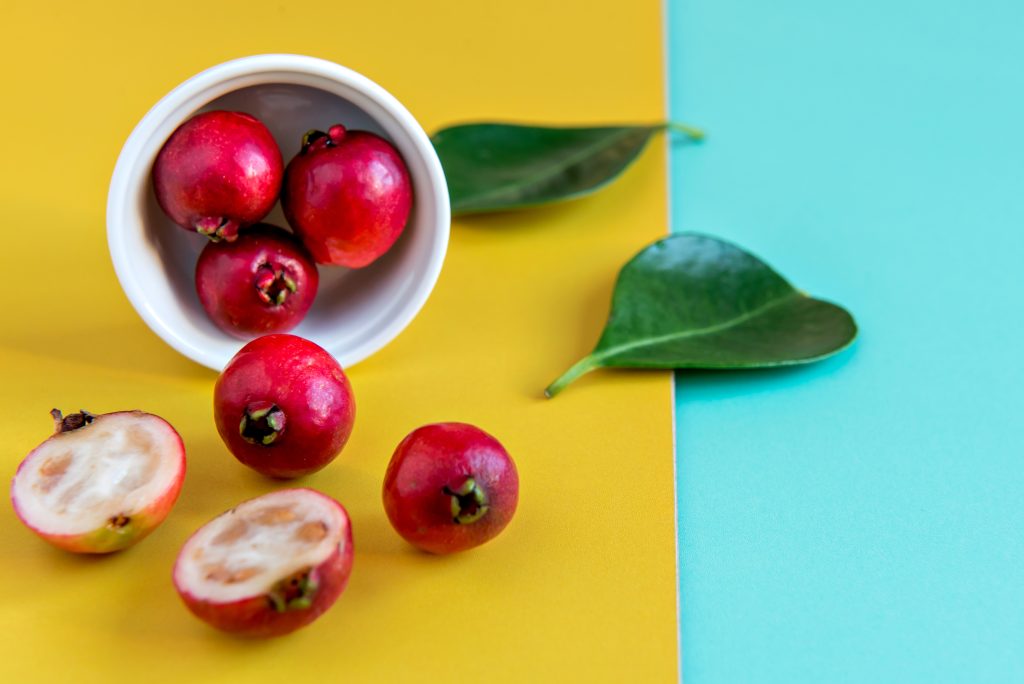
pixel 268 566
pixel 100 483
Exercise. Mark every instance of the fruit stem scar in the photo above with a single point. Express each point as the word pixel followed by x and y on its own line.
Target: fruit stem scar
pixel 294 593
pixel 216 228
pixel 72 421
pixel 273 285
pixel 314 137
pixel 119 521
pixel 262 422
pixel 468 502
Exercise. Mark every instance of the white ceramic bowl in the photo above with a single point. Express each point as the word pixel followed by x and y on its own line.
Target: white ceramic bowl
pixel 356 312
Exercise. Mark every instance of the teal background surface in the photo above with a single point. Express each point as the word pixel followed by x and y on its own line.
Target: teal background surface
pixel 861 519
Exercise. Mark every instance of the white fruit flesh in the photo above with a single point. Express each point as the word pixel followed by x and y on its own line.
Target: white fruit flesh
pixel 249 549
pixel 100 474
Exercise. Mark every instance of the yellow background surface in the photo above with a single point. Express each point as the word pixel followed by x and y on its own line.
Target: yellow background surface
pixel 581 586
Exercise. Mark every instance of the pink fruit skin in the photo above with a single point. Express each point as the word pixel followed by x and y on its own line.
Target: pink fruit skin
pixel 237 282
pixel 256 617
pixel 440 457
pixel 306 383
pixel 217 172
pixel 105 540
pixel 347 195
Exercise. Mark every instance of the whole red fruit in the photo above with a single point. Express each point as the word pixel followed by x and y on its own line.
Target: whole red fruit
pixel 263 282
pixel 347 195
pixel 217 172
pixel 283 406
pixel 450 487
pixel 268 566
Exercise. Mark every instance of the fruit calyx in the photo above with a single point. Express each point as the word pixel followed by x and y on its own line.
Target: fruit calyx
pixel 469 502
pixel 295 592
pixel 274 284
pixel 217 228
pixel 119 521
pixel 262 423
pixel 316 139
pixel 72 421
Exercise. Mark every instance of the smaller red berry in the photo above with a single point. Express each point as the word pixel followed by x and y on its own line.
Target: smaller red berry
pixel 219 171
pixel 283 406
pixel 263 282
pixel 450 487
pixel 347 195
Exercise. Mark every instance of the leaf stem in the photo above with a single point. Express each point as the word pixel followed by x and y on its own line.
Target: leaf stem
pixel 691 132
pixel 581 367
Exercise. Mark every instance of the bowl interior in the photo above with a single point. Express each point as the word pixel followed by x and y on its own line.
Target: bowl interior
pixel 356 310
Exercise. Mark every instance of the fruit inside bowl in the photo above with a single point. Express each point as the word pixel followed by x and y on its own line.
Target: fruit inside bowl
pixel 356 311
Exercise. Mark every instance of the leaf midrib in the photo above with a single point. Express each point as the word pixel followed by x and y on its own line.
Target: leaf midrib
pixel 696 332
pixel 557 168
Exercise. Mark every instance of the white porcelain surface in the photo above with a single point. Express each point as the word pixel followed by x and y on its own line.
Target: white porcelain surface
pixel 356 312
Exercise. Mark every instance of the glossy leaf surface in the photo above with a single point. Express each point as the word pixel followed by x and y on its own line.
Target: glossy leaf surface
pixel 498 167
pixel 693 301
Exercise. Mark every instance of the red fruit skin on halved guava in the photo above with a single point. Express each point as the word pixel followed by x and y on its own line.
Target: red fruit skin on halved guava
pixel 256 617
pixel 104 540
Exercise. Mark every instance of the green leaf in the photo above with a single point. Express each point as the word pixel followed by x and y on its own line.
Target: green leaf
pixel 497 167
pixel 693 301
